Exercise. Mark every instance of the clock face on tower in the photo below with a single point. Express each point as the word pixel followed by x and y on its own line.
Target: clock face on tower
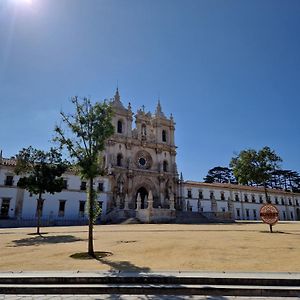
pixel 143 160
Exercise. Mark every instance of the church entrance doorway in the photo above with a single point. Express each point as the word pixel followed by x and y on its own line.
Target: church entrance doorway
pixel 144 193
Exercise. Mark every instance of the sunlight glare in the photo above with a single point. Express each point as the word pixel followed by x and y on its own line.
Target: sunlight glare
pixel 29 2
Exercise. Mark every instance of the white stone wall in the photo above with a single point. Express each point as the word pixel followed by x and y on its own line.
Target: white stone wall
pixel 244 208
pixel 72 195
pixel 8 192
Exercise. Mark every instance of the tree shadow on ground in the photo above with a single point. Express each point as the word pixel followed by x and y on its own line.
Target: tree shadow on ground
pixel 117 266
pixel 41 240
pixel 121 267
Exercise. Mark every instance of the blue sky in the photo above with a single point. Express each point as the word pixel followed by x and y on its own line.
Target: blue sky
pixel 229 71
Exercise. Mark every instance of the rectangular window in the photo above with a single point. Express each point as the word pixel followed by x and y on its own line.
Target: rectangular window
pixel 282 201
pixel 254 214
pixel 9 180
pixel 236 197
pixel 246 198
pixel 61 209
pixel 100 187
pixel 290 202
pixel 83 186
pixel 261 199
pixel 253 199
pixel 211 196
pixel 189 194
pixel 65 185
pixel 222 196
pixel 284 216
pixel 297 202
pixel 238 212
pixel 223 209
pixel 81 208
pixel 247 214
pixel 200 195
pixel 4 208
pixel 292 216
pixel 276 200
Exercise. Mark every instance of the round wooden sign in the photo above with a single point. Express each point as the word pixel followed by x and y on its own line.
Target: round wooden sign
pixel 269 214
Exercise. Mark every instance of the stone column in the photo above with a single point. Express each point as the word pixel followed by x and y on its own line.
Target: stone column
pixel 118 202
pixel 138 202
pixel 150 200
pixel 126 202
pixel 161 191
pixel 172 202
pixel 131 198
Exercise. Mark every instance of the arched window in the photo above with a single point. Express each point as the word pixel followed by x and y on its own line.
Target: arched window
pixel 164 136
pixel 119 160
pixel 120 126
pixel 165 166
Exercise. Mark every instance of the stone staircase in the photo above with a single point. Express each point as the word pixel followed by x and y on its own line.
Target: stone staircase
pixel 163 283
pixel 189 217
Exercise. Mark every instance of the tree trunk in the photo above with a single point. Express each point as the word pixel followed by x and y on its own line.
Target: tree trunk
pixel 39 211
pixel 91 217
pixel 267 200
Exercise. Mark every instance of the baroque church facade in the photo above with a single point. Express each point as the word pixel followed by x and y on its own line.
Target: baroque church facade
pixel 141 163
pixel 142 183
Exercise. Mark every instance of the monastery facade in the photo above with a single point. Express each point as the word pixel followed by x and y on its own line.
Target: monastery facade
pixel 142 183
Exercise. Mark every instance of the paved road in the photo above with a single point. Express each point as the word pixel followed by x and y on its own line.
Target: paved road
pixel 133 297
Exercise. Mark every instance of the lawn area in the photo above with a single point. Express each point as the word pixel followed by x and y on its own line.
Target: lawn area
pixel 156 247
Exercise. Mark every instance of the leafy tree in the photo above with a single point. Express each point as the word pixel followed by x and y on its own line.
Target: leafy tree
pixel 255 166
pixel 84 136
pixel 42 174
pixel 286 180
pixel 220 175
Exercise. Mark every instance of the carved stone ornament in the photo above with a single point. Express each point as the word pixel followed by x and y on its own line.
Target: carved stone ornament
pixel 143 160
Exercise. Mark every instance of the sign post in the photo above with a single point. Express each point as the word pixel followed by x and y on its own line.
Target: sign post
pixel 269 215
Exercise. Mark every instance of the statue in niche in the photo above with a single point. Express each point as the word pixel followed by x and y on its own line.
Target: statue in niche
pixel 169 190
pixel 144 130
pixel 120 185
